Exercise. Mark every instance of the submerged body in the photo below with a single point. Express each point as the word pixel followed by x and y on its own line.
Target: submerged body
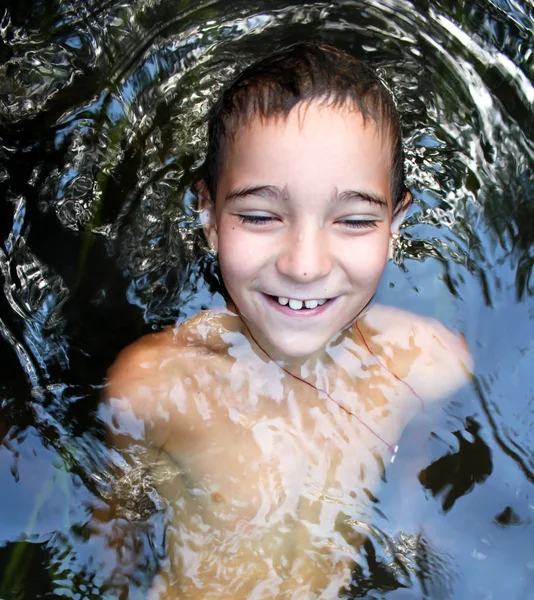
pixel 268 481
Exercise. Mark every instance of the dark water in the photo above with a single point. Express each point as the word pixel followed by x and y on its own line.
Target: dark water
pixel 102 110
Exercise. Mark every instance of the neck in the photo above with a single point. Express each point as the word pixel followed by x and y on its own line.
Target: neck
pixel 317 365
pixel 294 364
pixel 299 369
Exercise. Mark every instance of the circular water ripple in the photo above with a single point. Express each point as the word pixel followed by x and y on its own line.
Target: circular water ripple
pixel 102 121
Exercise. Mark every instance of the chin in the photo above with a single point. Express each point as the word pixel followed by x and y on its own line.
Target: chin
pixel 294 354
pixel 299 350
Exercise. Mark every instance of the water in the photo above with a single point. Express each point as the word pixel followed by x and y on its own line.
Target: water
pixel 101 122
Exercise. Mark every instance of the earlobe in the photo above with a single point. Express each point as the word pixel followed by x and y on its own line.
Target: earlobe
pixel 213 238
pixel 400 211
pixel 398 218
pixel 393 245
pixel 206 215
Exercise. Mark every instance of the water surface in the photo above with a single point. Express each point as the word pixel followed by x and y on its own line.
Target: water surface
pixel 102 108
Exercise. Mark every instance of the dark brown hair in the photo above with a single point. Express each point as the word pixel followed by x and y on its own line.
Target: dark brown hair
pixel 303 72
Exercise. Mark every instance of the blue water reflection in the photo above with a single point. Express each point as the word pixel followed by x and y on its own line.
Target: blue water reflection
pixel 102 110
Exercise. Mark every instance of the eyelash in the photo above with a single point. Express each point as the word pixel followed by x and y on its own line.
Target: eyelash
pixel 255 219
pixel 355 224
pixel 263 220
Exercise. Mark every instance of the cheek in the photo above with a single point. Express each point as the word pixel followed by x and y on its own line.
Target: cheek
pixel 367 263
pixel 239 258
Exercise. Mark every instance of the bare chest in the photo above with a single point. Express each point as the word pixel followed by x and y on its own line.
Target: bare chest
pixel 301 456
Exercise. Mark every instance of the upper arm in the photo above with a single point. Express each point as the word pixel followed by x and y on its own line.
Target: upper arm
pixel 136 390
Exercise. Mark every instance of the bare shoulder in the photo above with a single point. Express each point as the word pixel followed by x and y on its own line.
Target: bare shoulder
pixel 433 359
pixel 148 385
pixel 151 356
pixel 141 359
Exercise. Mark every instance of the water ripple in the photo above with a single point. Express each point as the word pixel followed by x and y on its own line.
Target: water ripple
pixel 102 110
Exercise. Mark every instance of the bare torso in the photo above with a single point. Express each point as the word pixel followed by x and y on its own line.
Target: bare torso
pixel 268 480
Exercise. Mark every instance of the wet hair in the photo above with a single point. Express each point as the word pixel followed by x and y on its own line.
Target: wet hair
pixel 303 72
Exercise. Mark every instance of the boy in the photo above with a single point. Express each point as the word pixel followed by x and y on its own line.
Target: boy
pixel 275 417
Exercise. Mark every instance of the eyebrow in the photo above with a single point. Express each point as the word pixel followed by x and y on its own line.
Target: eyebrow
pixel 274 192
pixel 264 191
pixel 360 196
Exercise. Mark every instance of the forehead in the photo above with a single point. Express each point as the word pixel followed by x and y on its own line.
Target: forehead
pixel 316 148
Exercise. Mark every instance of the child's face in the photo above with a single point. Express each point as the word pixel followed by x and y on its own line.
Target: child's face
pixel 303 212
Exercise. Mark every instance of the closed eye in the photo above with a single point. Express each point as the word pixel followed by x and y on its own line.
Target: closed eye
pixel 256 219
pixel 359 223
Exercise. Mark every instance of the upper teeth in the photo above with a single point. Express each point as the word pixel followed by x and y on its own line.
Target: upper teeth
pixel 298 304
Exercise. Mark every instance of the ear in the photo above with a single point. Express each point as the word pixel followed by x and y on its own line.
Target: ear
pixel 398 217
pixel 206 209
pixel 400 212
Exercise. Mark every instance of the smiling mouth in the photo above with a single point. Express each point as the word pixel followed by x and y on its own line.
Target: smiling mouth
pixel 298 305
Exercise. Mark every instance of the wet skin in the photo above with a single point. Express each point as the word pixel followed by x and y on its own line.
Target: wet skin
pixel 265 477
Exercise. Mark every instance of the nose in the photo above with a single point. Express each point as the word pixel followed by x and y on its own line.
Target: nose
pixel 305 255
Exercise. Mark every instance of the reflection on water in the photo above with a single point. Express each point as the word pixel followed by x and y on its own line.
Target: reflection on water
pixel 101 123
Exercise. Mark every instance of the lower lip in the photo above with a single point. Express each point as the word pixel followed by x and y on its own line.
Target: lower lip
pixel 303 313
